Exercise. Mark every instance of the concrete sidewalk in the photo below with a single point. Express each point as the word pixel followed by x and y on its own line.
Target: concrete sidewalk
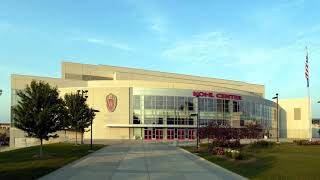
pixel 138 160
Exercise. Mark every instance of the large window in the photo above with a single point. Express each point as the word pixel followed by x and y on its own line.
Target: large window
pixel 190 104
pixel 235 106
pixel 297 113
pixel 160 102
pixel 210 105
pixel 136 119
pixel 181 104
pixel 179 110
pixel 136 102
pixel 226 106
pixel 191 121
pixel 202 105
pixel 170 103
pixel 148 102
pixel 153 120
pixel 170 121
pixel 219 105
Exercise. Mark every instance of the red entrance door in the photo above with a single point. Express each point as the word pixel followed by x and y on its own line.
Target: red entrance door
pixel 180 134
pixel 191 134
pixel 159 134
pixel 147 134
pixel 170 134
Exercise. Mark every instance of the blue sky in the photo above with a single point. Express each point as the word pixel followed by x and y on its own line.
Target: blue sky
pixel 254 41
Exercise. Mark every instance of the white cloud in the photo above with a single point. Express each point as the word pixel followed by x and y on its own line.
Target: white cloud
pixel 253 63
pixel 122 46
pixel 152 15
pixel 96 41
pixel 105 42
pixel 201 48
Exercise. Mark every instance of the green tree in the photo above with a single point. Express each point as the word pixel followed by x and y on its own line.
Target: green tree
pixel 39 111
pixel 79 113
pixel 86 122
pixel 65 121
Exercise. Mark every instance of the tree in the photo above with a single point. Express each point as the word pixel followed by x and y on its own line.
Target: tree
pixel 39 111
pixel 65 121
pixel 88 117
pixel 79 113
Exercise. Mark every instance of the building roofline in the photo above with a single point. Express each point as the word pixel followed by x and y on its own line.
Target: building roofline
pixel 154 71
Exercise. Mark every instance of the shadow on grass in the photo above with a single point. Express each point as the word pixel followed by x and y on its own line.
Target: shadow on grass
pixel 25 164
pixel 25 173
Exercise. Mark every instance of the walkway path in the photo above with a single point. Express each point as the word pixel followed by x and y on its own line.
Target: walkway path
pixel 141 161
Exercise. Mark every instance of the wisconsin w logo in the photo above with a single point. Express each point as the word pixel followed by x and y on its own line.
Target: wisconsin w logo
pixel 111 101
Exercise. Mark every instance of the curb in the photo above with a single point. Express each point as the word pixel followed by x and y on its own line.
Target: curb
pixel 213 164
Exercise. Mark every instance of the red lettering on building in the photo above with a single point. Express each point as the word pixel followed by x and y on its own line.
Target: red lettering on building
pixel 220 95
pixel 203 94
pixel 228 96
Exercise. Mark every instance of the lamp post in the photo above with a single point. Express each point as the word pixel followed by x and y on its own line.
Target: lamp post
pixel 198 122
pixel 277 97
pixel 83 94
pixel 94 110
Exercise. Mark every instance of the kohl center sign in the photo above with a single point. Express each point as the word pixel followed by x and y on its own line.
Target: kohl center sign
pixel 216 95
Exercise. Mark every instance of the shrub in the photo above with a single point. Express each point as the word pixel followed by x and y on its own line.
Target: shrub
pixel 226 143
pixel 233 154
pixel 306 142
pixel 315 143
pixel 301 142
pixel 227 152
pixel 218 151
pixel 262 144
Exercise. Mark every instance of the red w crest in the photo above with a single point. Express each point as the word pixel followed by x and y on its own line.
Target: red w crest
pixel 111 101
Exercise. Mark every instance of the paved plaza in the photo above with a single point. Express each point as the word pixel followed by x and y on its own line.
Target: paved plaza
pixel 138 160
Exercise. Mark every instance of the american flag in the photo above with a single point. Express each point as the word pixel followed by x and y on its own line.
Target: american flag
pixel 307 68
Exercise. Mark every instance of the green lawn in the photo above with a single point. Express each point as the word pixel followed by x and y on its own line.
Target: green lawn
pixel 25 164
pixel 284 161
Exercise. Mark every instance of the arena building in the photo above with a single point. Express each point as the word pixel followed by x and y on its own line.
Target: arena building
pixel 151 105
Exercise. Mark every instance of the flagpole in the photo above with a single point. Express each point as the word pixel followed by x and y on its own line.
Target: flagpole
pixel 309 101
pixel 309 113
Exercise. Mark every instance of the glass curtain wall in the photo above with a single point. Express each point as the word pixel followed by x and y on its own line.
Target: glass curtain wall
pixel 170 110
pixel 179 110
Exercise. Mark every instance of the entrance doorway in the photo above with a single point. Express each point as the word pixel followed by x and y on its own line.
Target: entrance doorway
pixel 191 134
pixel 181 134
pixel 147 134
pixel 159 134
pixel 170 134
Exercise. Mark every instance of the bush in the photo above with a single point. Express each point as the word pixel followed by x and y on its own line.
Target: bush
pixel 233 154
pixel 218 151
pixel 301 142
pixel 262 144
pixel 226 143
pixel 314 143
pixel 306 142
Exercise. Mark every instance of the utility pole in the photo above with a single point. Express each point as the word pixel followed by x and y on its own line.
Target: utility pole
pixel 198 123
pixel 277 116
